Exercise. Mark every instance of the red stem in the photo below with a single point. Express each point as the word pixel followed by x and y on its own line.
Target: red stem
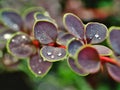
pixel 36 43
pixel 108 59
pixel 57 45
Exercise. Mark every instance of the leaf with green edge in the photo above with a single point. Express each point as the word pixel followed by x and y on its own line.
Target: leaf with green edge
pixel 88 58
pixel 73 46
pixel 53 54
pixel 103 50
pixel 96 32
pixel 11 19
pixel 114 40
pixel 43 16
pixel 63 40
pixel 20 45
pixel 45 32
pixel 114 71
pixel 74 25
pixel 5 34
pixel 38 66
pixel 29 16
pixel 72 64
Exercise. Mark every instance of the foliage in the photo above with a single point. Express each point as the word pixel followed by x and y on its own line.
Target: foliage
pixel 33 42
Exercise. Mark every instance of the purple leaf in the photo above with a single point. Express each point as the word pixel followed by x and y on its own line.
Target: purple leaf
pixel 74 25
pixel 73 46
pixel 103 50
pixel 42 16
pixel 96 32
pixel 29 16
pixel 88 58
pixel 12 19
pixel 5 34
pixel 63 40
pixel 75 68
pixel 20 45
pixel 114 71
pixel 114 40
pixel 53 54
pixel 38 66
pixel 45 32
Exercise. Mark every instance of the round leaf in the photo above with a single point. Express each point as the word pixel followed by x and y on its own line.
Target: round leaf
pixel 95 32
pixel 29 16
pixel 63 40
pixel 88 58
pixel 114 40
pixel 73 46
pixel 45 32
pixel 114 71
pixel 75 68
pixel 38 66
pixel 74 25
pixel 53 54
pixel 103 50
pixel 12 19
pixel 20 45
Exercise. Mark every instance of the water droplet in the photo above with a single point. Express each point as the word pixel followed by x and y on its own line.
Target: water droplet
pixel 96 35
pixel 59 54
pixel 23 37
pixel 7 36
pixel 38 31
pixel 49 53
pixel 99 38
pixel 13 40
pixel 52 56
pixel 15 26
pixel 39 72
pixel 40 60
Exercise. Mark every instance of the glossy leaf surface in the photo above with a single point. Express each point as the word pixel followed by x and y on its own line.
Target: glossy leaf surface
pixel 88 58
pixel 75 68
pixel 74 25
pixel 53 54
pixel 96 32
pixel 38 66
pixel 20 45
pixel 114 38
pixel 103 50
pixel 114 71
pixel 73 46
pixel 29 16
pixel 45 32
pixel 63 40
pixel 12 19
